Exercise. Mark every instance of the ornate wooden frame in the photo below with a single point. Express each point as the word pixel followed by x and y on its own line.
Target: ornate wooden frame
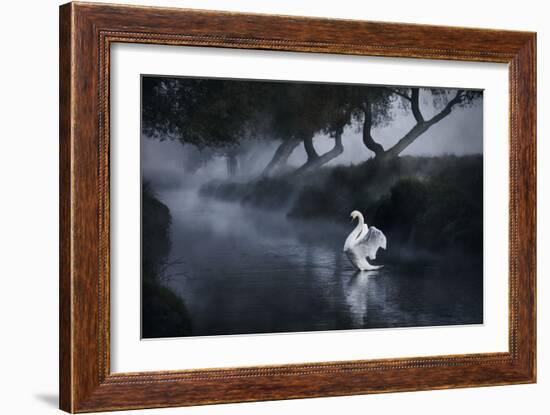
pixel 86 33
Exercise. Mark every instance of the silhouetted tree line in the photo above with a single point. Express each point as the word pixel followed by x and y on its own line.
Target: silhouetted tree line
pixel 216 115
pixel 421 203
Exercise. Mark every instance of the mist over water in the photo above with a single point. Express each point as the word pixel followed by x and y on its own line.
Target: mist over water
pixel 244 270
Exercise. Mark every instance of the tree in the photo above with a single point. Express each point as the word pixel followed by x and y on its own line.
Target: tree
pixel 281 156
pixel 218 115
pixel 282 103
pixel 374 111
pixel 208 114
pixel 305 111
pixel 294 113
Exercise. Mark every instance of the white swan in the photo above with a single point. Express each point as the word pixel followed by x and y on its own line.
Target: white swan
pixel 363 242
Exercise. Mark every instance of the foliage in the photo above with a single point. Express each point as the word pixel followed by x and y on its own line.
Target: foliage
pixel 163 312
pixel 433 203
pixel 270 193
pixel 442 212
pixel 156 222
pixel 216 115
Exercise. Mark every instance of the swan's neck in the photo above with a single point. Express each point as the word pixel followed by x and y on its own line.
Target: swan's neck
pixel 355 233
pixel 359 227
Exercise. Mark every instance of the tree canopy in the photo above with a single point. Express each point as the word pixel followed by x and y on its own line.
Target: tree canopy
pixel 219 114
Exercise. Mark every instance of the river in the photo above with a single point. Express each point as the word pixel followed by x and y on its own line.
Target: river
pixel 245 270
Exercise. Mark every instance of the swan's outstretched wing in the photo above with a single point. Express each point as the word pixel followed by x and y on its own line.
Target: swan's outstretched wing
pixel 369 244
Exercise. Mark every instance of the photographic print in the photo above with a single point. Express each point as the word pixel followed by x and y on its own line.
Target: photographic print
pixel 283 206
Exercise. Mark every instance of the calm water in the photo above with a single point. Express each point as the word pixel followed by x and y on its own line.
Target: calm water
pixel 244 270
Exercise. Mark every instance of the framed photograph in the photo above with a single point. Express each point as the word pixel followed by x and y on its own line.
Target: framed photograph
pixel 258 207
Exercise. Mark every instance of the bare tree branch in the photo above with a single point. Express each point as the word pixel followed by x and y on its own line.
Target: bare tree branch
pixel 448 108
pixel 401 94
pixel 422 126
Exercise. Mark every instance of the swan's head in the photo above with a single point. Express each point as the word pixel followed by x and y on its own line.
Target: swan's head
pixel 355 214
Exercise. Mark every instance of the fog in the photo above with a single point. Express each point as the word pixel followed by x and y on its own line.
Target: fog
pixel 245 270
pixel 460 133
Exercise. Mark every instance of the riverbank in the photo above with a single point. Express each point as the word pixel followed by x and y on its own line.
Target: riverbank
pixel 164 313
pixel 243 270
pixel 429 205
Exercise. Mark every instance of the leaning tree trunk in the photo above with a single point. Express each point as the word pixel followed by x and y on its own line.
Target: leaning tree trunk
pixel 416 131
pixel 310 149
pixel 280 157
pixel 421 125
pixel 369 142
pixel 316 162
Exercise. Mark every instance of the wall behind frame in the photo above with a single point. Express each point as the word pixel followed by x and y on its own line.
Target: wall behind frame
pixel 28 207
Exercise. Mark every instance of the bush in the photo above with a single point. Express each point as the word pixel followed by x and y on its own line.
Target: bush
pixel 434 203
pixel 155 225
pixel 266 192
pixel 399 213
pixel 163 312
pixel 270 193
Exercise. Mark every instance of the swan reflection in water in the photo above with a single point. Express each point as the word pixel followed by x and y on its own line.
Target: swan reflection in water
pixel 357 290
